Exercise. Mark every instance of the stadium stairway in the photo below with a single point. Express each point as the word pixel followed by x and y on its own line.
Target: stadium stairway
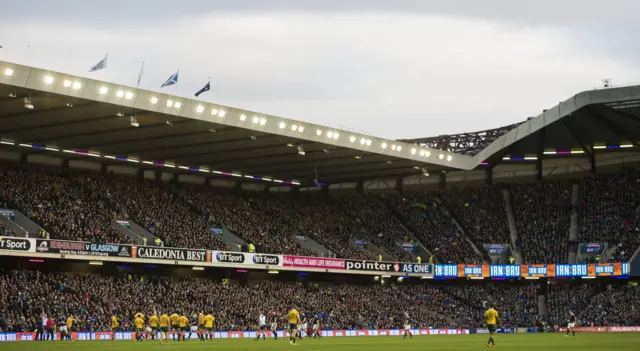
pixel 12 227
pixel 513 228
pixel 484 254
pixel 422 249
pixel 229 238
pixel 313 245
pixel 20 224
pixel 373 249
pixel 573 228
pixel 134 231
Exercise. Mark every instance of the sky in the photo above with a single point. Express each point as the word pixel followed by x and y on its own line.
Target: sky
pixel 395 69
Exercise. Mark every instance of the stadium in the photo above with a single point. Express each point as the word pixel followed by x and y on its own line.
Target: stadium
pixel 118 201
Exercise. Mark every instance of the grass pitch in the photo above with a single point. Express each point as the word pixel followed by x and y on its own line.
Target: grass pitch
pixel 519 342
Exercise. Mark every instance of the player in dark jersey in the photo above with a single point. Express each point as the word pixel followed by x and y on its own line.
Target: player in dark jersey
pixel 571 326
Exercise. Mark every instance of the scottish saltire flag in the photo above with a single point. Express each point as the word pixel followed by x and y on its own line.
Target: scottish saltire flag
pixel 204 89
pixel 100 65
pixel 140 75
pixel 172 80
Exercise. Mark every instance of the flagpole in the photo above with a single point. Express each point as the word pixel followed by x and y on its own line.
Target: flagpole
pixel 140 75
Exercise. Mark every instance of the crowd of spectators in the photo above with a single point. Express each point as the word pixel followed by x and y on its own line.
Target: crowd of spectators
pixel 433 226
pixel 79 205
pixel 93 299
pixel 594 305
pixel 271 222
pixel 73 208
pixel 481 212
pixel 467 304
pixel 543 219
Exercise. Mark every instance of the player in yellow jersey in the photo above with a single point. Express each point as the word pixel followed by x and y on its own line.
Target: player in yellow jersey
pixel 139 322
pixel 114 326
pixel 294 320
pixel 492 320
pixel 141 316
pixel 67 328
pixel 208 324
pixel 183 321
pixel 201 326
pixel 175 326
pixel 164 328
pixel 154 322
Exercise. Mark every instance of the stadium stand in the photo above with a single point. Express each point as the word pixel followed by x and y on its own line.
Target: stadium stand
pixel 79 205
pixel 433 225
pixel 542 211
pixel 481 212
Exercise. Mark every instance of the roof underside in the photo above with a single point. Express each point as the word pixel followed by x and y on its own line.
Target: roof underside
pixel 96 126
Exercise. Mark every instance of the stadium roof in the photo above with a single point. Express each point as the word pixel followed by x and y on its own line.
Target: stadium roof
pixel 45 111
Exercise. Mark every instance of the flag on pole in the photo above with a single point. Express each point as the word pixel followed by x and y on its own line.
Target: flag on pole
pixel 172 80
pixel 140 75
pixel 100 65
pixel 204 89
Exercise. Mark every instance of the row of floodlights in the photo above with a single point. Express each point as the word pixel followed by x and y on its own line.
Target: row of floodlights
pixel 255 119
pixel 153 163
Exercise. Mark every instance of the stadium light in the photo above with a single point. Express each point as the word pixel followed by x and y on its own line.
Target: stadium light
pixel 120 93
pixel 449 158
pixel 440 157
pixel 383 145
pixel 221 113
pixel 282 125
pixel 48 80
pixel 255 120
pixel 319 133
pixel 352 139
pixel 178 104
pixel 67 83
pixel 154 100
pixel 129 96
pixel 77 85
pixel 368 142
pixel 294 127
pixel 301 129
pixel 199 109
pixel 214 112
pixel 243 118
pixel 413 151
pixel 95 263
pixel 362 141
pixel 8 72
pixel 104 90
pixel 399 148
pixel 336 136
pixel 169 103
pixel 263 121
pixel 393 147
pixel 427 154
pixel 421 153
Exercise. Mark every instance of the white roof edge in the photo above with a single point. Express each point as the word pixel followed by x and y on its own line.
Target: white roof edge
pixel 116 94
pixel 555 113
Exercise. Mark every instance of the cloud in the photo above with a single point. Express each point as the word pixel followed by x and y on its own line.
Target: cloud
pixel 390 70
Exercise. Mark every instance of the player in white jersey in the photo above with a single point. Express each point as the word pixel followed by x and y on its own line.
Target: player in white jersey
pixel 262 330
pixel 303 327
pixel 407 327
